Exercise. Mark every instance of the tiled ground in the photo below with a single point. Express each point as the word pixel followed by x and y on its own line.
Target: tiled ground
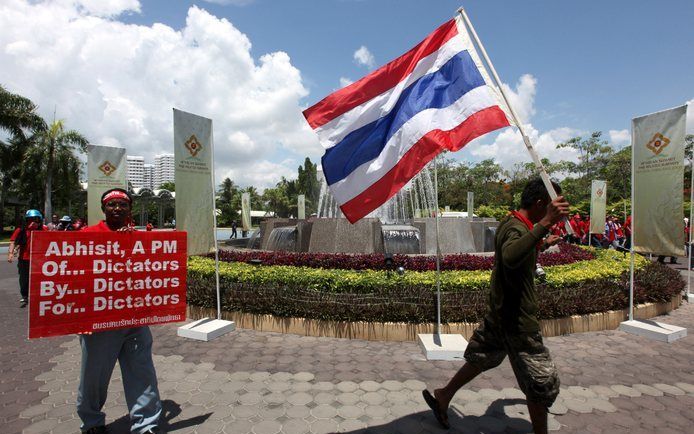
pixel 269 383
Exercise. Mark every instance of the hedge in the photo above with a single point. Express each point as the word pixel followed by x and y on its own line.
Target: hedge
pixel 350 295
pixel 567 254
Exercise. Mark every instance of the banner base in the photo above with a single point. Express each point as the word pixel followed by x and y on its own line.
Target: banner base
pixel 206 329
pixel 690 298
pixel 653 330
pixel 442 347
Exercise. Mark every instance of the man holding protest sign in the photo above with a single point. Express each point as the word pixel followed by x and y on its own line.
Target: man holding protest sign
pixel 132 347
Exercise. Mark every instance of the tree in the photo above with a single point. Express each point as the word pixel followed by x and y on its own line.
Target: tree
pixel 618 175
pixel 594 154
pixel 307 184
pixel 282 199
pixel 17 114
pixel 228 191
pixel 171 186
pixel 55 144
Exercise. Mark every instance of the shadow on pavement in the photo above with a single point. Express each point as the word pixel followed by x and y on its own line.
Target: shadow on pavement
pixel 494 420
pixel 170 410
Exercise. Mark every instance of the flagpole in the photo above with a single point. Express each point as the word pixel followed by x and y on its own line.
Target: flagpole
pixel 521 129
pixel 438 248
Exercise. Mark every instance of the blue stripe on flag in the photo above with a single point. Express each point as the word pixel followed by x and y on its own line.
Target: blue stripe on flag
pixel 433 91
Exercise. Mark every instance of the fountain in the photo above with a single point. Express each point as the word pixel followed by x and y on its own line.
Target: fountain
pixel 255 239
pixel 400 239
pixel 405 224
pixel 283 239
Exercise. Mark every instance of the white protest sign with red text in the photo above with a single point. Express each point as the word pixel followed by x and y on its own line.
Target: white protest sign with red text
pixel 95 281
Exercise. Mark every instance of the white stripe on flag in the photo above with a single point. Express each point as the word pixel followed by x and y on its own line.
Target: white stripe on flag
pixel 337 129
pixel 411 132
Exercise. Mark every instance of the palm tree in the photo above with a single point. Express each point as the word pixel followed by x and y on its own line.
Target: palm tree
pixel 55 144
pixel 17 114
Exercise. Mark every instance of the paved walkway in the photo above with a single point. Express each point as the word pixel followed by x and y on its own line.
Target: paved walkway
pixel 251 382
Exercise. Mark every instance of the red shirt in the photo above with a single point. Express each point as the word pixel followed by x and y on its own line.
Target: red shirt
pixel 24 253
pixel 99 227
pixel 577 226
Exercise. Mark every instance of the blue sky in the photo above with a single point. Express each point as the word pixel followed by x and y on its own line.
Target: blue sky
pixel 575 67
pixel 598 63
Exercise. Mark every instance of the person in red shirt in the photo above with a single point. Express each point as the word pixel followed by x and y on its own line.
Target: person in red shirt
pixel 585 227
pixel 21 240
pixel 577 227
pixel 132 347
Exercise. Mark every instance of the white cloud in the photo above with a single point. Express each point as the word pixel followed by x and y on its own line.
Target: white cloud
pixel 262 174
pixel 507 148
pixel 118 83
pixel 344 82
pixel 620 137
pixel 523 97
pixel 364 57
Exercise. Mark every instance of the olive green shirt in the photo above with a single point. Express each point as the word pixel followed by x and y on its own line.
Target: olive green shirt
pixel 512 299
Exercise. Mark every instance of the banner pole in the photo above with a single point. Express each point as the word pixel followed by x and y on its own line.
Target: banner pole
pixel 438 249
pixel 631 244
pixel 689 245
pixel 214 233
pixel 528 144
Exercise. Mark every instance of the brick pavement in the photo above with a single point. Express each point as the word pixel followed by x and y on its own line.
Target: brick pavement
pixel 270 383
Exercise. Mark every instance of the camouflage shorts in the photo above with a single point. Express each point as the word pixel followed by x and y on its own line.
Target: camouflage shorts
pixel 530 360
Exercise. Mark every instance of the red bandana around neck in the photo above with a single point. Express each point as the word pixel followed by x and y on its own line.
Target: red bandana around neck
pixel 523 218
pixel 529 224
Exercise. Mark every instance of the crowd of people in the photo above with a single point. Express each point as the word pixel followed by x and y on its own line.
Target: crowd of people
pixel 616 234
pixel 20 241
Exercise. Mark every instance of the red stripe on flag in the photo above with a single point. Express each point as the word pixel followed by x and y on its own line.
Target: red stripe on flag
pixel 379 81
pixel 418 156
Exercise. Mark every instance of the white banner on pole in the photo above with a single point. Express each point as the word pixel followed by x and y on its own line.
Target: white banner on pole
pixel 658 174
pixel 246 211
pixel 598 206
pixel 301 207
pixel 470 204
pixel 106 169
pixel 193 156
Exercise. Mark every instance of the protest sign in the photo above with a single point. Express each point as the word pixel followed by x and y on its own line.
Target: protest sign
pixel 95 281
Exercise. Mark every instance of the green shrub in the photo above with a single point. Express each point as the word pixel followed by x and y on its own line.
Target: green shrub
pixel 344 295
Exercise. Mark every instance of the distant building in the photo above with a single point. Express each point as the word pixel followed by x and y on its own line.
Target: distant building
pixel 163 169
pixel 148 178
pixel 136 171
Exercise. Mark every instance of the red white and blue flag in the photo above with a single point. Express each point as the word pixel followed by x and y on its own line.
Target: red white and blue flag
pixel 380 131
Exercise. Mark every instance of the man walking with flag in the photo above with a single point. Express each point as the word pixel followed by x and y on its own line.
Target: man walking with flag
pixel 511 326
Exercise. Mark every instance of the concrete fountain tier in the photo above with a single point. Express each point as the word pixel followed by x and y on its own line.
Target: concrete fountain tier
pixel 337 235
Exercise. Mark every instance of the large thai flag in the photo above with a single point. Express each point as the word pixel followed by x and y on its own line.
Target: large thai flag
pixel 380 131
